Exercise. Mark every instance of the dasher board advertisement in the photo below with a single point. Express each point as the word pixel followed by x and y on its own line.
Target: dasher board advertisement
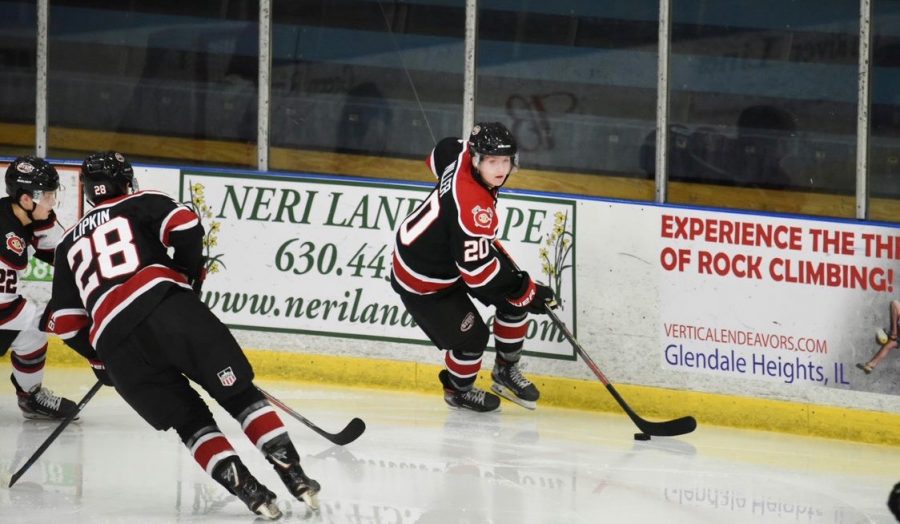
pixel 312 255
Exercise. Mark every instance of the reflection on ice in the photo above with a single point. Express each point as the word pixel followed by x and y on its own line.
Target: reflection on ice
pixel 420 462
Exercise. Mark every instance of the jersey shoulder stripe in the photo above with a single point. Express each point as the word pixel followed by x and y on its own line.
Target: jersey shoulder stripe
pixel 477 215
pixel 179 219
pixel 66 323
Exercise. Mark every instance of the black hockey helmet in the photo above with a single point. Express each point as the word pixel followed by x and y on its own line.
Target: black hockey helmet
pixel 493 139
pixel 106 175
pixel 30 174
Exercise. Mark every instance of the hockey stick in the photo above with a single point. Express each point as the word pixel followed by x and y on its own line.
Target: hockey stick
pixel 347 435
pixel 668 428
pixel 59 429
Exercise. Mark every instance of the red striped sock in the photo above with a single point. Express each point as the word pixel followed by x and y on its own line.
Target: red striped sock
pixel 509 334
pixel 262 425
pixel 463 372
pixel 32 362
pixel 29 369
pixel 211 448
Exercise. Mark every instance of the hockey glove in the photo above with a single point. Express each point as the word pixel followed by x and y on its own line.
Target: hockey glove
pixel 100 372
pixel 532 297
pixel 544 299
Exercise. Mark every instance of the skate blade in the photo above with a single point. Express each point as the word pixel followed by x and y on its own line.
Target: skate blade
pixel 510 396
pixel 456 407
pixel 311 499
pixel 268 510
pixel 38 416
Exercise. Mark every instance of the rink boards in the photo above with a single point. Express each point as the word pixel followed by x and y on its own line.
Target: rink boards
pixel 737 318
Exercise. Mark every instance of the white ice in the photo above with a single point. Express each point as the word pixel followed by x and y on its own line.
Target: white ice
pixel 420 462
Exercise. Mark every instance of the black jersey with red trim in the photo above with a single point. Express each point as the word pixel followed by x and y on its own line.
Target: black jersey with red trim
pixel 113 268
pixel 15 239
pixel 448 238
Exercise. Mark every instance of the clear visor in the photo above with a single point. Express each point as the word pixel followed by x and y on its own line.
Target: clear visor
pixel 478 157
pixel 46 199
pixel 134 185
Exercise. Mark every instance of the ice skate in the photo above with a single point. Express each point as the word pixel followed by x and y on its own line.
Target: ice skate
pixel 866 368
pixel 233 475
pixel 41 403
pixel 511 384
pixel 284 458
pixel 474 399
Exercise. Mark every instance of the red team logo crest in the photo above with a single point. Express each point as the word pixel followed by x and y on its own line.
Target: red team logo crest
pixel 482 216
pixel 15 243
pixel 226 377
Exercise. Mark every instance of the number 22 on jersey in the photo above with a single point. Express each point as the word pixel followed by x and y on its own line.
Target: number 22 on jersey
pixel 108 252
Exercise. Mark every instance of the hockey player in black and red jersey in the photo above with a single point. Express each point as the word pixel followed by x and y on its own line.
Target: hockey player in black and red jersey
pixel 122 302
pixel 444 252
pixel 27 221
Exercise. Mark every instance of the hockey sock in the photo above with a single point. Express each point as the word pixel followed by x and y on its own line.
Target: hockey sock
pixel 28 369
pixel 257 417
pixel 209 447
pixel 261 424
pixel 463 368
pixel 509 335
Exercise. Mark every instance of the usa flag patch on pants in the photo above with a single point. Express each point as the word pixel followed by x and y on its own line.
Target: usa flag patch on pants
pixel 226 377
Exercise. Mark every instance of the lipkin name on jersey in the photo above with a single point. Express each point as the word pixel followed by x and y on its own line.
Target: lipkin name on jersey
pixel 89 223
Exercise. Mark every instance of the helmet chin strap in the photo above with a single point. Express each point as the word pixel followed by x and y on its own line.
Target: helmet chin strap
pixel 28 212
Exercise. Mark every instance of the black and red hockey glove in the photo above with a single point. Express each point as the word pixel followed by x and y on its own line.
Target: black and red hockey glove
pixel 532 296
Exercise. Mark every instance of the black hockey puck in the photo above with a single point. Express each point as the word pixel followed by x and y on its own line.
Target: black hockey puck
pixel 641 436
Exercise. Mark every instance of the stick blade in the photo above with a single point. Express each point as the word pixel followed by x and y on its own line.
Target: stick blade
pixel 351 432
pixel 668 428
pixel 15 477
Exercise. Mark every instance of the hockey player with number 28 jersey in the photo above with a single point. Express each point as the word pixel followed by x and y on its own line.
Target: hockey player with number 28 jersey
pixel 444 252
pixel 122 302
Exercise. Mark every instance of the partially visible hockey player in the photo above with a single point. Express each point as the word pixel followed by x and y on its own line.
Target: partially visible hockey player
pixel 444 252
pixel 887 339
pixel 894 501
pixel 27 220
pixel 116 290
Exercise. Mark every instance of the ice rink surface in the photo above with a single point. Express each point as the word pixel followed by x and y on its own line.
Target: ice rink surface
pixel 420 462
